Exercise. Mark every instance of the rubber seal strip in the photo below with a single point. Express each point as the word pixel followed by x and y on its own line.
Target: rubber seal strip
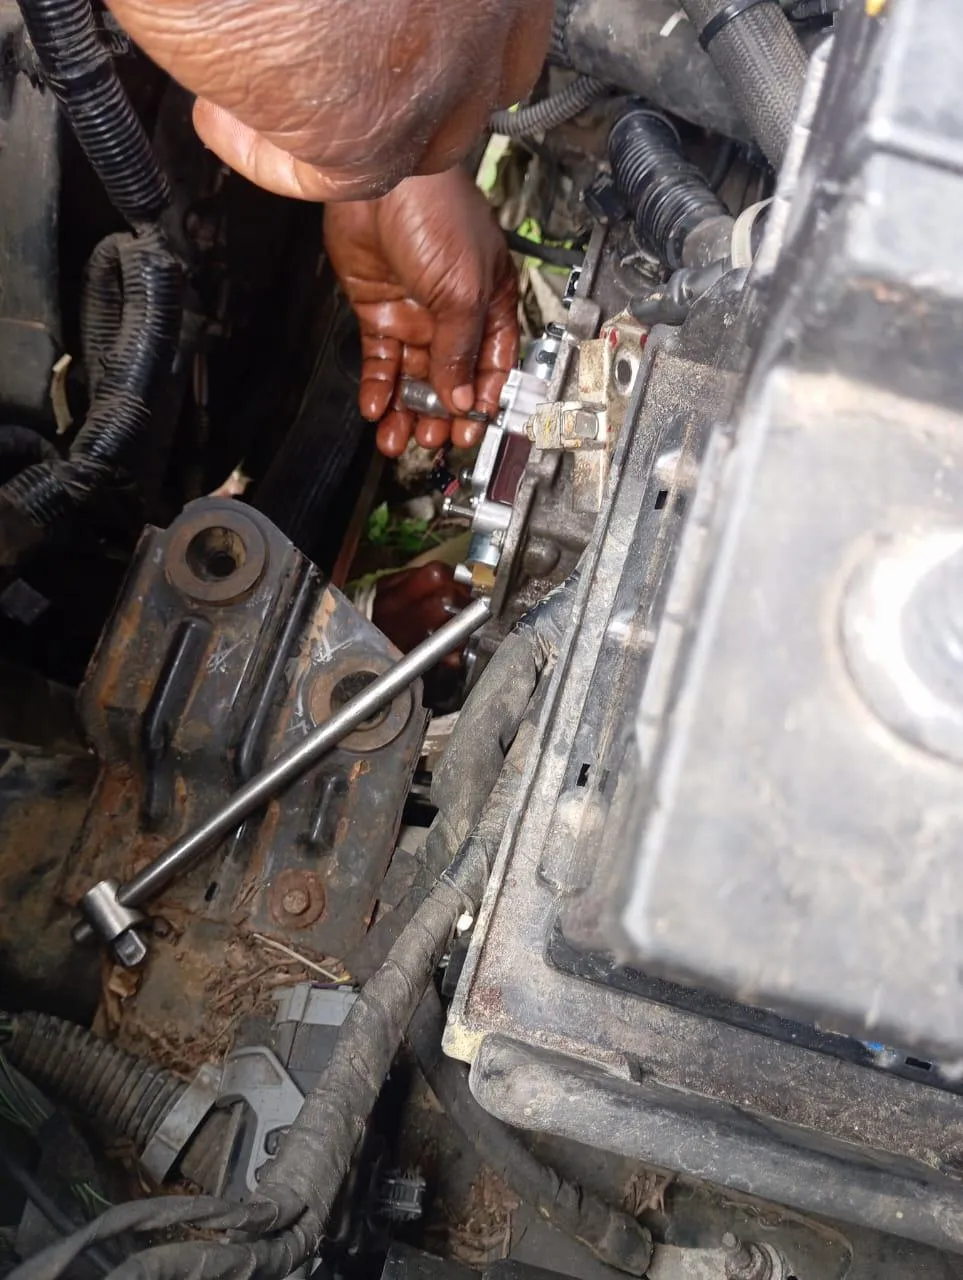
pixel 728 13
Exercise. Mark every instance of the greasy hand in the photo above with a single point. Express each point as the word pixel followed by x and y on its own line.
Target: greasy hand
pixel 341 99
pixel 429 275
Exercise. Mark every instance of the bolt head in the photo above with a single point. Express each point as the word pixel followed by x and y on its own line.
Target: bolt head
pixel 295 902
pixel 130 949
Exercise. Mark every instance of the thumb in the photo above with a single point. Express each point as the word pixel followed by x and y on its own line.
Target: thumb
pixel 267 165
pixel 454 354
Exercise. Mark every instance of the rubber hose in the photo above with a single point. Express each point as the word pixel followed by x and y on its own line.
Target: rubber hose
pixel 106 450
pixel 668 195
pixel 80 72
pixel 23 446
pixel 552 111
pixel 763 65
pixel 121 1093
pixel 615 1237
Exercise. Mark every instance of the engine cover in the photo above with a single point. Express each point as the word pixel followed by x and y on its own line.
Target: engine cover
pixel 734 868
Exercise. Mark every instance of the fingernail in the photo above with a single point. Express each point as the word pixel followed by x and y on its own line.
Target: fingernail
pixel 463 397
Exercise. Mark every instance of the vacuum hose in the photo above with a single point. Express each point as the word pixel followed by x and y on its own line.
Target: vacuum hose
pixel 763 65
pixel 552 111
pixel 669 197
pixel 132 311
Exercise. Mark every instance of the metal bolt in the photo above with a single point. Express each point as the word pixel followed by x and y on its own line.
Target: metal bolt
pixel 580 424
pixel 746 1261
pixel 295 902
pixel 459 510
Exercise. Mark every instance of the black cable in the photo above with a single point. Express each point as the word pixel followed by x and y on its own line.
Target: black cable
pixel 80 71
pixel 157 1213
pixel 555 255
pixel 722 165
pixel 556 109
pixel 137 277
pixel 301 1184
pixel 35 1193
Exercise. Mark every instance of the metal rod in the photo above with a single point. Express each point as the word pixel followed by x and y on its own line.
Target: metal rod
pixel 290 766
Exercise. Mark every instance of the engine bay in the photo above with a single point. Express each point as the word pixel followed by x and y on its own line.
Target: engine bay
pixel 536 857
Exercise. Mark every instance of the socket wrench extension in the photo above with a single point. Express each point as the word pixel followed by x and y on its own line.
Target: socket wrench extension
pixel 110 910
pixel 421 397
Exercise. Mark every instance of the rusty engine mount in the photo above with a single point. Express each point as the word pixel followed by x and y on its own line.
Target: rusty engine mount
pixel 226 648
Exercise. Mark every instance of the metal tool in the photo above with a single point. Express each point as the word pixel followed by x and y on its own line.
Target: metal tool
pixel 421 397
pixel 110 909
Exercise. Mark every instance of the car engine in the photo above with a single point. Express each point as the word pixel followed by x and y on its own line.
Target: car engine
pixel 536 859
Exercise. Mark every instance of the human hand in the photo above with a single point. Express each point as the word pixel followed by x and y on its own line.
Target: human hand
pixel 429 275
pixel 341 100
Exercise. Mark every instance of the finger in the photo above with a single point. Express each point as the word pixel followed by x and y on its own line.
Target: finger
pixel 381 360
pixel 431 433
pixel 498 354
pixel 454 353
pixel 465 433
pixel 399 318
pixel 394 432
pixel 415 361
pixel 488 390
pixel 267 165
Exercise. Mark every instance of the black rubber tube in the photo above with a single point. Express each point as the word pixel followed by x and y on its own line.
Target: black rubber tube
pixel 762 64
pixel 556 255
pixel 80 72
pixel 615 1237
pixel 22 447
pixel 120 1093
pixel 107 449
pixel 668 195
pixel 141 270
pixel 102 308
pixel 552 111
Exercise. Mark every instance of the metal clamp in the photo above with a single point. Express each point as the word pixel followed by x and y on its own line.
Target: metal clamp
pixel 181 1123
pixel 256 1076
